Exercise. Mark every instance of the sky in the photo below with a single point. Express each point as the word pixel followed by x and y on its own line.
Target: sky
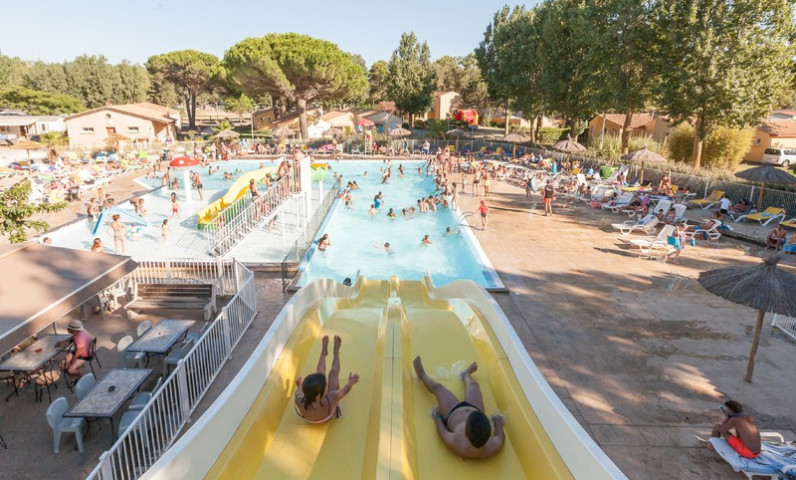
pixel 57 30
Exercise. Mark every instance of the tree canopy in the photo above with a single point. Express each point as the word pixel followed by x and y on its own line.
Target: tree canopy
pixel 411 79
pixel 35 102
pixel 294 68
pixel 16 212
pixel 190 72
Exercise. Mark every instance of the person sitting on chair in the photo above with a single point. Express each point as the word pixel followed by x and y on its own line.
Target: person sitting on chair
pixel 73 363
pixel 776 238
pixel 463 426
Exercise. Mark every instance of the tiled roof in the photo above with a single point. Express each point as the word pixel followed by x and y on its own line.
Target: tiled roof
pixel 639 119
pixel 146 110
pixel 779 128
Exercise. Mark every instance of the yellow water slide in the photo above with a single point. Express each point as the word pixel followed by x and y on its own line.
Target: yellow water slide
pixel 238 189
pixel 386 431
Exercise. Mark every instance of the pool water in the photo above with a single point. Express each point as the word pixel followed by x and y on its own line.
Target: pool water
pixel 353 232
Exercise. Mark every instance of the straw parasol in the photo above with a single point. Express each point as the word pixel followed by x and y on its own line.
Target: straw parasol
pixel 27 145
pixel 333 132
pixel 515 138
pixel 399 132
pixel 282 132
pixel 762 287
pixel 457 133
pixel 643 156
pixel 568 146
pixel 227 134
pixel 766 174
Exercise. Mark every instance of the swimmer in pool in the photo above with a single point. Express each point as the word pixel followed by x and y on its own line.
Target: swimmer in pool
pixel 426 240
pixel 386 247
pixel 315 400
pixel 373 210
pixel 391 214
pixel 463 426
pixel 449 231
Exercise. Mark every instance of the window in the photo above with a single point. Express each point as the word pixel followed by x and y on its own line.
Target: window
pixel 773 151
pixel 88 129
pixel 758 141
pixel 132 129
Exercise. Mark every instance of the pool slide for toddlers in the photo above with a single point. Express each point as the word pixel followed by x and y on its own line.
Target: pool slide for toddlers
pixel 107 213
pixel 238 189
pixel 385 432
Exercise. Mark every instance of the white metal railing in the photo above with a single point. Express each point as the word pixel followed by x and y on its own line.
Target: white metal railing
pixel 187 270
pixel 161 421
pixel 235 222
pixel 786 324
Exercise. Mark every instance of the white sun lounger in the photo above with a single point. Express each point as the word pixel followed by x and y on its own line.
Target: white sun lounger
pixel 651 242
pixel 772 462
pixel 647 225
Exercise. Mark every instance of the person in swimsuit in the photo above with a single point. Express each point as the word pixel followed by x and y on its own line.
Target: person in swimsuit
pixel 548 195
pixel 253 189
pixel 315 400
pixel 96 245
pixel 119 232
pixel 746 440
pixel 484 210
pixel 175 208
pixel 463 426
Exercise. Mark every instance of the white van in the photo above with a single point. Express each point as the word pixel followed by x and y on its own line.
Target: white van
pixel 779 156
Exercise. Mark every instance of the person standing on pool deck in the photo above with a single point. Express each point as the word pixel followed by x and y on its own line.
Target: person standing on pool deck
pixel 548 195
pixel 484 210
pixel 315 400
pixel 463 426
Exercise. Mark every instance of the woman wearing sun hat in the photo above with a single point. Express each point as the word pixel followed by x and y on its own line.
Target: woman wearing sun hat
pixel 82 340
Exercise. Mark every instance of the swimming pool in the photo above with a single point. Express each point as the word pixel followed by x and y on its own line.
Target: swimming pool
pixel 353 233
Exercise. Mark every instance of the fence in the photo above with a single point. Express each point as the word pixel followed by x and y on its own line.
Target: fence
pixel 304 241
pixel 187 270
pixel 160 422
pixel 236 221
pixel 787 325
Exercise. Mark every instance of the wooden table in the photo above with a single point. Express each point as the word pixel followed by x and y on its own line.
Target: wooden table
pixel 33 357
pixel 109 394
pixel 160 338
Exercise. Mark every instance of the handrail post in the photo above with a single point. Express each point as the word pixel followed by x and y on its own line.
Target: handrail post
pixel 167 264
pixel 182 386
pixel 106 469
pixel 225 330
pixel 220 276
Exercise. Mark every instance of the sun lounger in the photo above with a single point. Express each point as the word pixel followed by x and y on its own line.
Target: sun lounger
pixel 766 216
pixel 621 202
pixel 709 201
pixel 662 206
pixel 711 233
pixel 661 239
pixel 777 457
pixel 789 223
pixel 646 225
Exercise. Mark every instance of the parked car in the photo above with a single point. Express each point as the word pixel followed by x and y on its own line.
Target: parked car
pixel 784 157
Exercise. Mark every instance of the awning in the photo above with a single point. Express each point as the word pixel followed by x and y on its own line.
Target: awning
pixel 41 284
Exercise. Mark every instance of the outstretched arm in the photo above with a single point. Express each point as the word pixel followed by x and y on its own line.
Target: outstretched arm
pixel 337 395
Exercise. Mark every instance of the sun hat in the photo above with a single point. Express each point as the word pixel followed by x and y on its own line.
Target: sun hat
pixel 75 325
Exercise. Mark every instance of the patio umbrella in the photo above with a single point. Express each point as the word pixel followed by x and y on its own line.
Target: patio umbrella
pixel 456 133
pixel 762 287
pixel 568 146
pixel 282 132
pixel 515 138
pixel 766 174
pixel 364 122
pixel 27 145
pixel 333 132
pixel 399 132
pixel 227 134
pixel 643 156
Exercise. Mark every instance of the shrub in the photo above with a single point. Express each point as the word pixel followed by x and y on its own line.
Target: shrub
pixel 421 124
pixel 550 135
pixel 612 146
pixel 723 149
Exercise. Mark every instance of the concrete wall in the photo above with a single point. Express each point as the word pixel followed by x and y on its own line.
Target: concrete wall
pixel 91 130
pixel 761 141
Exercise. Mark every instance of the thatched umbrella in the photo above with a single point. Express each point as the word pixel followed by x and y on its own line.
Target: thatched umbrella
pixel 333 132
pixel 568 146
pixel 282 132
pixel 27 145
pixel 515 138
pixel 399 132
pixel 456 133
pixel 227 134
pixel 762 287
pixel 643 156
pixel 766 174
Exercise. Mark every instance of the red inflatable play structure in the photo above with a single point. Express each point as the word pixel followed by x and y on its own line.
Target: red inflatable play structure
pixel 467 115
pixel 185 161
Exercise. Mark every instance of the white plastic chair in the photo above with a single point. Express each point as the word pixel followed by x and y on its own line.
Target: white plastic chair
pixel 127 419
pixel 143 327
pixel 141 399
pixel 84 384
pixel 138 357
pixel 59 424
pixel 176 355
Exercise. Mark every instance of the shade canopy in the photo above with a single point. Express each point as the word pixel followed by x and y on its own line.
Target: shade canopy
pixel 26 144
pixel 767 174
pixel 364 122
pixel 227 134
pixel 400 132
pixel 43 283
pixel 762 287
pixel 643 155
pixel 283 132
pixel 333 132
pixel 568 146
pixel 515 138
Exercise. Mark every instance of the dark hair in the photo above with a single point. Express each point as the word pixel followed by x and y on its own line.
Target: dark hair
pixel 313 387
pixel 733 406
pixel 478 429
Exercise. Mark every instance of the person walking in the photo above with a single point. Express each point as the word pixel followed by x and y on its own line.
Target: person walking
pixel 548 194
pixel 484 211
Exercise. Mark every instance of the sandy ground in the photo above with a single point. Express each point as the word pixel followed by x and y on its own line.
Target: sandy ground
pixel 638 351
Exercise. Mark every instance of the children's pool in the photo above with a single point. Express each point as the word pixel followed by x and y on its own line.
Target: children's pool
pixel 353 233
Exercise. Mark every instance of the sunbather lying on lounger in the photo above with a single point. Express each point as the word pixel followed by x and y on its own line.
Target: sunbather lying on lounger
pixel 746 439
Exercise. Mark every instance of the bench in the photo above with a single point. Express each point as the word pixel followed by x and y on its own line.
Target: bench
pixel 174 296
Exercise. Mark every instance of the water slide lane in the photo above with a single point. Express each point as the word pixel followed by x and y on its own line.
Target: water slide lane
pixel 273 442
pixel 449 336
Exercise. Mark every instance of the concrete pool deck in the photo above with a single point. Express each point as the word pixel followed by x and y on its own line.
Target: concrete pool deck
pixel 637 350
